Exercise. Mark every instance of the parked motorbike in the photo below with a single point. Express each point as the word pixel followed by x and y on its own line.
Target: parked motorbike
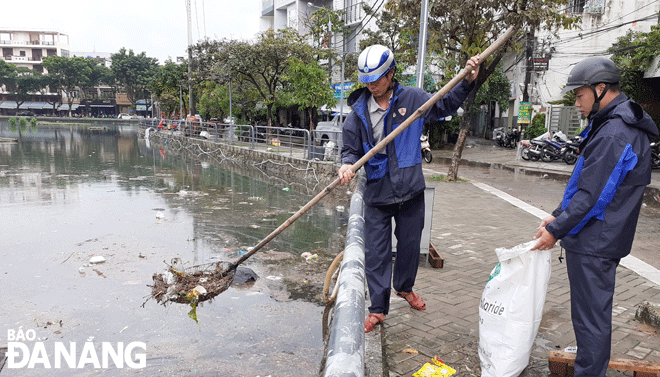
pixel 498 136
pixel 426 149
pixel 655 155
pixel 524 149
pixel 553 149
pixel 535 151
pixel 571 150
pixel 512 138
pixel 507 139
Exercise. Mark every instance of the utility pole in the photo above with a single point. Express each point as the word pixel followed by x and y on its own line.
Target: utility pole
pixel 421 56
pixel 529 59
pixel 191 107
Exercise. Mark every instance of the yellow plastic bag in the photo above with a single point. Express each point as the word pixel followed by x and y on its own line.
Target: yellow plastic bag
pixel 436 368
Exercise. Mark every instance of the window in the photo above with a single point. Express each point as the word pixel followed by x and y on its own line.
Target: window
pixel 576 6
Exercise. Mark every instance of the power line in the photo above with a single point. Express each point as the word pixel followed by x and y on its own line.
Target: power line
pixel 598 31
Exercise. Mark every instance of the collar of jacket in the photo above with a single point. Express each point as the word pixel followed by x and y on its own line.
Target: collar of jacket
pixel 601 116
pixel 363 94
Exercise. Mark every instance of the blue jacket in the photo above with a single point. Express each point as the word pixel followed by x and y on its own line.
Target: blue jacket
pixel 599 211
pixel 396 176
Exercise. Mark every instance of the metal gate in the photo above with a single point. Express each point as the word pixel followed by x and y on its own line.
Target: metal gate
pixel 563 118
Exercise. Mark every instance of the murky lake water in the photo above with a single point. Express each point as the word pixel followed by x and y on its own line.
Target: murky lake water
pixel 68 193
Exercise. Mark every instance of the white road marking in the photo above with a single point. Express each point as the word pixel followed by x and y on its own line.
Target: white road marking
pixel 630 262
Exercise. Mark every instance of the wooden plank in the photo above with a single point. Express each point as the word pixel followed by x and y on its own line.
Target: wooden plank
pixel 620 364
pixel 436 260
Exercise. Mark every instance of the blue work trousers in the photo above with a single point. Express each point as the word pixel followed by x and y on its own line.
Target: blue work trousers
pixel 592 290
pixel 409 222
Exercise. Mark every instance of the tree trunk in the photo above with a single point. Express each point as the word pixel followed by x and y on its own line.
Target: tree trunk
pixel 311 118
pixel 452 175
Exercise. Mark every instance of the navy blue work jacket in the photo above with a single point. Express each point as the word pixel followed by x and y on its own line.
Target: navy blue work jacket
pixel 396 176
pixel 598 214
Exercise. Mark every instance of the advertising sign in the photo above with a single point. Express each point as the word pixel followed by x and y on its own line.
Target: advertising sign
pixel 337 89
pixel 525 113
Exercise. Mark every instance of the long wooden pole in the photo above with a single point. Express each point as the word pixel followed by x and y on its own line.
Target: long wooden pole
pixel 435 98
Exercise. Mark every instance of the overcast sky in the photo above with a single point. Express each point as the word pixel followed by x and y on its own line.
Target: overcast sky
pixel 157 27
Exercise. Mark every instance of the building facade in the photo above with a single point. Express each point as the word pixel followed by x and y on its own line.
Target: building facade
pixel 553 57
pixel 27 47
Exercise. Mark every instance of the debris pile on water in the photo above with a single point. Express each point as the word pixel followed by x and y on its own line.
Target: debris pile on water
pixel 190 285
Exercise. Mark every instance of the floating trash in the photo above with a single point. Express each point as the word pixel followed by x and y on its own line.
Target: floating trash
pixel 97 259
pixel 190 285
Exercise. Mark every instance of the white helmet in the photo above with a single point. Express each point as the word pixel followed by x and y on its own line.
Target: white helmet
pixel 375 62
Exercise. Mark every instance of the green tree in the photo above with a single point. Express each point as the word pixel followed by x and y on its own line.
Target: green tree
pixel 67 75
pixel 262 64
pixel 307 87
pixel 168 84
pixel 634 53
pixel 322 24
pixel 97 74
pixel 389 30
pixel 133 72
pixel 21 83
pixel 458 29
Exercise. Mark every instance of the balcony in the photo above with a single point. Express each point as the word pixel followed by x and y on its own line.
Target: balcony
pixel 267 8
pixel 354 14
pixel 6 42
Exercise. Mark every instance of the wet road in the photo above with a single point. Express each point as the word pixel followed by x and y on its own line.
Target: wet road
pixel 69 194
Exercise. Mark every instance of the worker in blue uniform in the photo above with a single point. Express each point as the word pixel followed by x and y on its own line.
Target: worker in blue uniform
pixel 597 217
pixel 395 183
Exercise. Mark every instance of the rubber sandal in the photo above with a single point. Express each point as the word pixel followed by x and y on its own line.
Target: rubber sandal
pixel 372 320
pixel 413 299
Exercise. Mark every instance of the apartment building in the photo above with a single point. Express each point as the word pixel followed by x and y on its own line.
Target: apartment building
pixel 27 47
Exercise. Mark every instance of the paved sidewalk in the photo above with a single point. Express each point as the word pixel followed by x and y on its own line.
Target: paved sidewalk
pixel 469 222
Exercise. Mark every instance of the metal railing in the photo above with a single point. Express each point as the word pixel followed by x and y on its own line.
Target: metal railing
pixel 294 142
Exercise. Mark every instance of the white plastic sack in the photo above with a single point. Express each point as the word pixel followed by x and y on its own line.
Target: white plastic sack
pixel 511 308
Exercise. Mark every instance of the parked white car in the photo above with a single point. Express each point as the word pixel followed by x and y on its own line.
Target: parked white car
pixel 328 131
pixel 126 116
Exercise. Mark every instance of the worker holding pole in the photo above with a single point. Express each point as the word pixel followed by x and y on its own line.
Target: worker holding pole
pixel 395 183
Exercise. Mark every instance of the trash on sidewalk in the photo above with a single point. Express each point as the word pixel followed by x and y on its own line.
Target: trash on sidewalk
pixel 309 257
pixel 435 368
pixel 411 351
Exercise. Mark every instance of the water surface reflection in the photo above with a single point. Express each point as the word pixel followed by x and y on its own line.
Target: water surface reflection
pixel 68 193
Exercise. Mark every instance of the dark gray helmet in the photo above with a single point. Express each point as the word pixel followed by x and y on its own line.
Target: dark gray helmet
pixel 592 71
